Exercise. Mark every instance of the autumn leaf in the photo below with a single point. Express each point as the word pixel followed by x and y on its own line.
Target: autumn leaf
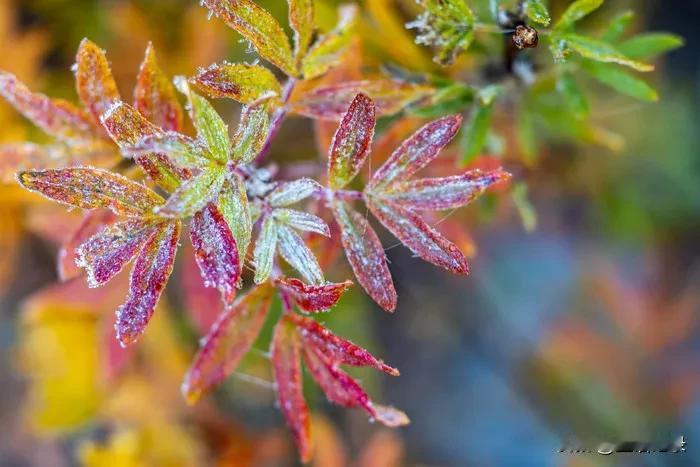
pixel 154 95
pixel 328 50
pixel 238 81
pixel 312 298
pixel 94 81
pixel 301 19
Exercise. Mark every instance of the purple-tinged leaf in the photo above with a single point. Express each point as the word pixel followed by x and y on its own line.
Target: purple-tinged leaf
pixel 286 365
pixel 259 28
pixel 312 298
pixel 302 221
pixel 193 194
pixel 336 350
pixel 343 390
pixel 238 81
pixel 330 102
pixel 203 305
pixel 151 272
pixel 126 126
pixel 295 252
pixel 106 253
pixel 215 251
pixel 154 95
pixel 233 204
pixel 423 240
pixel 251 134
pixel 57 118
pixel 227 342
pixel 289 193
pixel 94 81
pixel 302 21
pixel 265 248
pixel 328 51
pixel 352 142
pixel 93 222
pixel 416 152
pixel 16 157
pixel 90 188
pixel 435 194
pixel 161 170
pixel 366 255
pixel 182 150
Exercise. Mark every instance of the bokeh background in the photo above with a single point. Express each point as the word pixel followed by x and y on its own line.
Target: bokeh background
pixel 580 323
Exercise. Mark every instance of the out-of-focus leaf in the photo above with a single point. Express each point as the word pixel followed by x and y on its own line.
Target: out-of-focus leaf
pixel 448 100
pixel 233 203
pixel 259 28
pixel 154 95
pixel 94 81
pixel 447 26
pixel 434 194
pixel 292 192
pixel 295 252
pixel 416 152
pixel 526 210
pixel 574 96
pixel 337 350
pixel 312 298
pixel 366 255
pixel 476 132
pixel 286 364
pixel 182 150
pixel 621 81
pixel 575 12
pixel 211 129
pixel 600 51
pixel 423 240
pixel 536 10
pixel 527 139
pixel 105 254
pixel 265 248
pixel 302 221
pixel 617 26
pixel 650 45
pixel 89 188
pixel 202 304
pixel 17 157
pixel 227 342
pixel 302 21
pixel 193 194
pixel 216 251
pixel 352 142
pixel 251 134
pixel 329 49
pixel 92 223
pixel 58 118
pixel 330 102
pixel 239 81
pixel 148 278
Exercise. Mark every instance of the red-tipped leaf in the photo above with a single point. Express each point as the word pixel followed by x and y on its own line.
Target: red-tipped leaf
pixel 312 298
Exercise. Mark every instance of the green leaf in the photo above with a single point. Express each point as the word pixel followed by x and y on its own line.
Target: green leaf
pixel 251 134
pixel 233 204
pixel 295 252
pixel 445 25
pixel 526 210
pixel 301 19
pixel 600 51
pixel 211 129
pixel 574 96
pixel 617 26
pixel 576 11
pixel 451 99
pixel 265 247
pixel 620 80
pixel 526 132
pixel 476 132
pixel 649 45
pixel 193 194
pixel 536 10
pixel 239 81
pixel 328 50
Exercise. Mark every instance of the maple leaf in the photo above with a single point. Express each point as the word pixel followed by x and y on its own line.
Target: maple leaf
pixel 394 199
pixel 296 338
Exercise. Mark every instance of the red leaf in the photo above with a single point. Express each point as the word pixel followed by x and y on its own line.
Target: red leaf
pixel 343 390
pixel 366 255
pixel 105 254
pixel 227 342
pixel 436 194
pixel 416 152
pixel 148 278
pixel 335 349
pixel 312 298
pixel 154 95
pixel 215 251
pixel 352 142
pixel 286 364
pixel 202 304
pixel 92 223
pixel 94 81
pixel 418 236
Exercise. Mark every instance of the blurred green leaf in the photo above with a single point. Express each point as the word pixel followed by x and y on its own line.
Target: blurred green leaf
pixel 620 80
pixel 448 100
pixel 649 45
pixel 600 51
pixel 576 11
pixel 536 10
pixel 617 26
pixel 476 131
pixel 572 93
pixel 526 210
pixel 527 139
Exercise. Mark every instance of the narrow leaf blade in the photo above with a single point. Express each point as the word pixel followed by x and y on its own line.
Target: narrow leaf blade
pixel 302 221
pixel 233 204
pixel 94 81
pixel 536 10
pixel 265 248
pixel 650 45
pixel 476 132
pixel 155 97
pixel 193 194
pixel 621 81
pixel 600 51
pixel 295 252
pixel 289 193
pixel 238 81
pixel 576 11
pixel 328 51
pixel 301 19
pixel 251 134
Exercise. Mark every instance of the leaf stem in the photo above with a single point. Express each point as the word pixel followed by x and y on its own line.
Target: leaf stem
pixel 277 118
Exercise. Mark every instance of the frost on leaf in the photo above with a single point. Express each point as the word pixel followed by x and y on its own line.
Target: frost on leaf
pixel 445 25
pixel 251 133
pixel 366 255
pixel 90 188
pixel 295 252
pixel 154 95
pixel 265 247
pixel 352 142
pixel 94 81
pixel 259 28
pixel 149 275
pixel 302 221
pixel 233 204
pixel 193 194
pixel 93 222
pixel 238 81
pixel 292 192
pixel 216 251
pixel 301 19
pixel 312 298
pixel 227 342
pixel 329 49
